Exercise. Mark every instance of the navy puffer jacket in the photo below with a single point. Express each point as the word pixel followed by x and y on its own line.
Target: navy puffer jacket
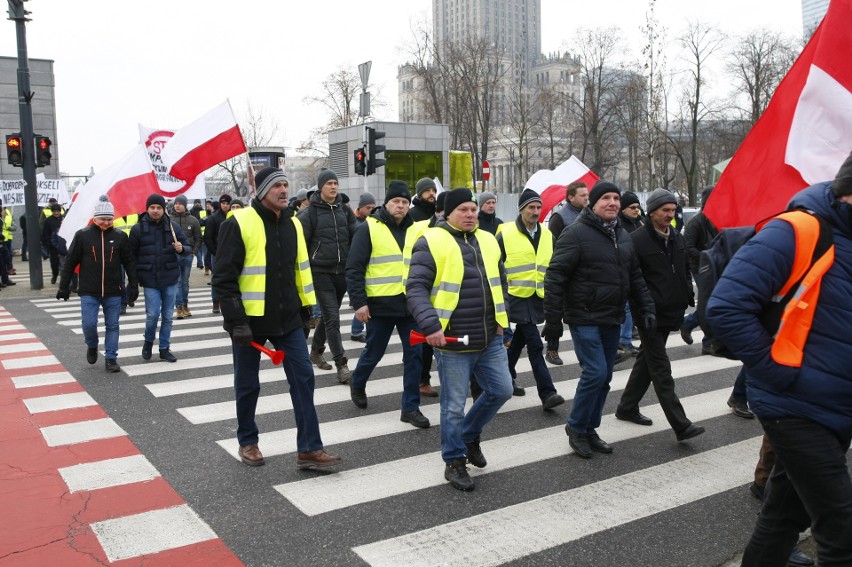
pixel 474 314
pixel 156 259
pixel 821 390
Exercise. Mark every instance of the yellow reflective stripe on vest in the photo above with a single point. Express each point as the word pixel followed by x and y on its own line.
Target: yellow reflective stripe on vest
pixel 252 278
pixel 525 266
pixel 449 273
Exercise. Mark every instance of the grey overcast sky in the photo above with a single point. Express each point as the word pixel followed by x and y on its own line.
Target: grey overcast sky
pixel 163 63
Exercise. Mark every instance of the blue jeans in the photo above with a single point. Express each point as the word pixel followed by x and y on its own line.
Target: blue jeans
pixel 491 367
pixel 738 394
pixel 626 337
pixel 690 323
pixel 199 256
pixel 160 302
pixel 89 306
pixel 526 334
pixel 379 332
pixel 596 348
pixel 185 266
pixel 358 327
pixel 300 377
pixel 809 486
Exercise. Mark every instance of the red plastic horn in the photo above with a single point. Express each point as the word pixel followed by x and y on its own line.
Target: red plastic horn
pixel 417 338
pixel 277 356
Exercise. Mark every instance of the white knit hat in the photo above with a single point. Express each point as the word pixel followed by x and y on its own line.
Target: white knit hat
pixel 104 208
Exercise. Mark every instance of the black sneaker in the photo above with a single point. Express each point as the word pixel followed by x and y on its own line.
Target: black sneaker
pixel 456 473
pixel 552 401
pixel 517 390
pixel 691 431
pixel 111 365
pixel 146 350
pixel 359 397
pixel 166 354
pixel 415 418
pixel 92 355
pixel 358 338
pixel 474 454
pixel 552 357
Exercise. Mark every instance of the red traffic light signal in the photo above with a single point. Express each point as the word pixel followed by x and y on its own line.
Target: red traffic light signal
pixel 43 155
pixel 14 150
pixel 360 161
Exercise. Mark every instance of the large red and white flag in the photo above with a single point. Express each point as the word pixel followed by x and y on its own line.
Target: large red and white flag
pixel 155 139
pixel 803 136
pixel 195 148
pixel 127 183
pixel 551 183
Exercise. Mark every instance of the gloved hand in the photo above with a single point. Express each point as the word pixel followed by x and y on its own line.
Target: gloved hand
pixel 650 322
pixel 305 313
pixel 63 294
pixel 552 331
pixel 132 294
pixel 242 334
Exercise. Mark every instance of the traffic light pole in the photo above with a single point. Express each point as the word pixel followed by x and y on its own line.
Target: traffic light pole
pixel 25 97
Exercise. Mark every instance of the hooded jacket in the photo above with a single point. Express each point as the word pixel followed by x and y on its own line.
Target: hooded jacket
pixel 156 259
pixel 329 229
pixel 821 389
pixel 421 210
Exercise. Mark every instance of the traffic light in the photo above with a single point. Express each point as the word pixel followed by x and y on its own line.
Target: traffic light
pixel 360 161
pixel 14 150
pixel 42 144
pixel 374 150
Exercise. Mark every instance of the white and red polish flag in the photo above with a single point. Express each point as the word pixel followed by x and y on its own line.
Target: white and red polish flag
pixel 803 136
pixel 551 183
pixel 195 148
pixel 127 183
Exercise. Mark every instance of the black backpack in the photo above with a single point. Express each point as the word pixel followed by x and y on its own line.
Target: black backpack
pixel 715 259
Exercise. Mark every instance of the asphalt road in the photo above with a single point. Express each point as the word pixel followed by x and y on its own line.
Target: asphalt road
pixel 654 501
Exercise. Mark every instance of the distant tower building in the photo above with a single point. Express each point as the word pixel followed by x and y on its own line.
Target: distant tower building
pixel 514 24
pixel 812 14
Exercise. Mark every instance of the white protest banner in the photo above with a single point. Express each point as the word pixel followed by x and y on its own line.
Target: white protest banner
pixel 13 194
pixel 155 140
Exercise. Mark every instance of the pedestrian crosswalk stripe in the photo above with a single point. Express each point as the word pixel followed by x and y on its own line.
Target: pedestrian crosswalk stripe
pixel 22 347
pixel 319 495
pixel 59 402
pixel 151 532
pixel 513 532
pixel 47 379
pixel 80 432
pixel 29 362
pixel 16 337
pixel 109 472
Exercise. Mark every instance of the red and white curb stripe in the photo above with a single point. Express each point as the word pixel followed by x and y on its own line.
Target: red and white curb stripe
pixel 75 490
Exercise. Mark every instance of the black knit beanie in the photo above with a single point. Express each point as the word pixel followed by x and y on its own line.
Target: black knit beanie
pixel 600 189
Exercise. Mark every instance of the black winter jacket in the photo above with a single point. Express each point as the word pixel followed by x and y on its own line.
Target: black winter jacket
pixel 421 210
pixel 356 268
pixel 282 304
pixel 328 232
pixel 211 230
pixel 698 235
pixel 666 271
pixel 629 224
pixel 474 314
pixel 489 222
pixel 590 277
pixel 100 255
pixel 191 229
pixel 156 259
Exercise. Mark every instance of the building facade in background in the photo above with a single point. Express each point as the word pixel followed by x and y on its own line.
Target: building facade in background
pixel 812 14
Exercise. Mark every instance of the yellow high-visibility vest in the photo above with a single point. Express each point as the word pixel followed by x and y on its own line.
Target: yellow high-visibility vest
pixel 8 220
pixel 252 279
pixel 449 273
pixel 525 266
pixel 124 224
pixel 388 268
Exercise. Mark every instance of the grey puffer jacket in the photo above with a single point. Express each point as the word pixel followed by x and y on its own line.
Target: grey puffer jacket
pixel 328 233
pixel 475 314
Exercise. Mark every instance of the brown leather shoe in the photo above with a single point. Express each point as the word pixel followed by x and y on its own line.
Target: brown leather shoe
pixel 428 391
pixel 316 459
pixel 251 455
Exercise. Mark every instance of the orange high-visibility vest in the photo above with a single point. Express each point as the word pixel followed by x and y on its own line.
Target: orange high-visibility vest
pixel 798 315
